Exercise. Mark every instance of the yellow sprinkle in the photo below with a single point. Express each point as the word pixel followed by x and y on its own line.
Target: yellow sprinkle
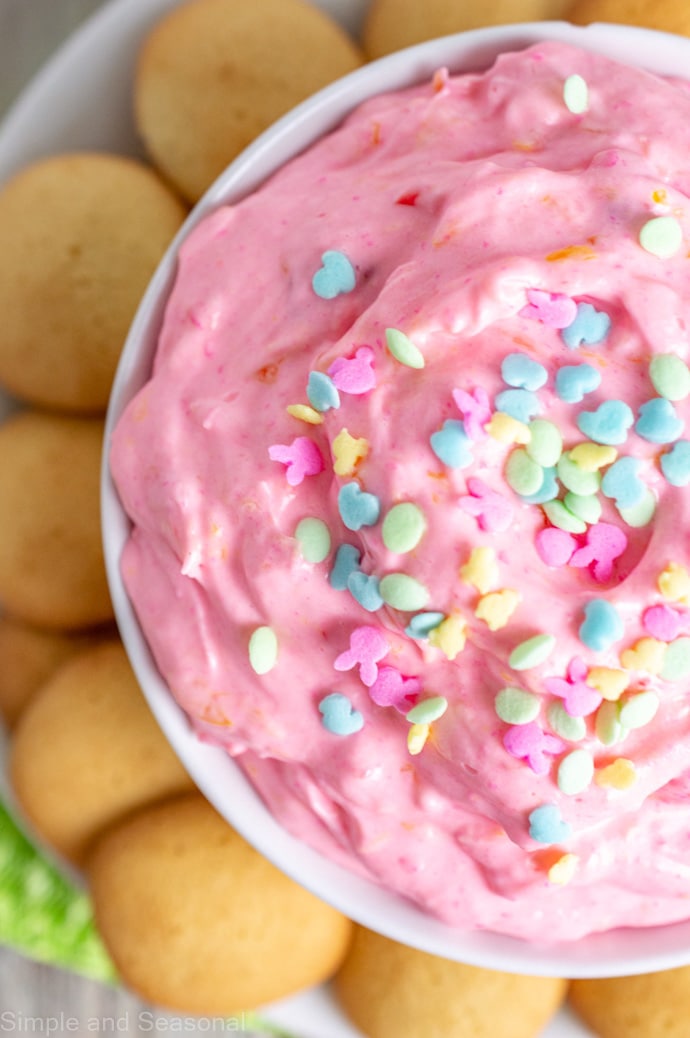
pixel 610 682
pixel 621 774
pixel 590 457
pixel 563 870
pixel 506 429
pixel 659 195
pixel 674 583
pixel 481 570
pixel 450 635
pixel 305 413
pixel 572 252
pixel 347 453
pixel 417 737
pixel 646 654
pixel 496 608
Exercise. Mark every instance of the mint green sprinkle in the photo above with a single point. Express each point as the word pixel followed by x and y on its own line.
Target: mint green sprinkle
pixel 585 506
pixel 403 592
pixel 517 706
pixel 532 652
pixel 639 710
pixel 403 349
pixel 314 539
pixel 571 728
pixel 607 724
pixel 523 475
pixel 677 660
pixel 576 479
pixel 670 376
pixel 576 94
pixel 642 513
pixel 559 515
pixel 546 443
pixel 428 711
pixel 403 527
pixel 662 236
pixel 575 772
pixel 263 650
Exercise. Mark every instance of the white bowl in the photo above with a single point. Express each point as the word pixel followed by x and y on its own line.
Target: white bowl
pixel 618 952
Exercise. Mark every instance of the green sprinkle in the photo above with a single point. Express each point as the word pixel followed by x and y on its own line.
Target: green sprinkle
pixel 532 652
pixel 571 728
pixel 670 376
pixel 559 515
pixel 585 506
pixel 314 539
pixel 403 349
pixel 639 710
pixel 403 592
pixel 403 527
pixel 576 479
pixel 263 650
pixel 523 475
pixel 428 711
pixel 575 772
pixel 576 94
pixel 662 236
pixel 677 660
pixel 641 513
pixel 546 443
pixel 517 706
pixel 607 724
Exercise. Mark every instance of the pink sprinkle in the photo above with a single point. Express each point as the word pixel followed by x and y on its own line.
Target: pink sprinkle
pixel 354 375
pixel 528 742
pixel 555 547
pixel 579 698
pixel 493 512
pixel 302 458
pixel 603 545
pixel 392 688
pixel 663 622
pixel 475 410
pixel 551 308
pixel 367 646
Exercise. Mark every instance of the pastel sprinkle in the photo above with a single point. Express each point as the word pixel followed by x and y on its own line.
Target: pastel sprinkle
pixel 354 375
pixel 368 645
pixel 641 513
pixel 590 327
pixel 579 698
pixel 647 654
pixel 546 443
pixel 584 506
pixel 662 236
pixel 481 569
pixel 416 738
pixel 516 706
pixel 609 681
pixel 357 507
pixel 403 349
pixel 607 725
pixel 522 473
pixel 452 445
pixel 619 774
pixel 497 607
pixel 563 870
pixel 347 560
pixel 314 539
pixel 547 826
pixel 575 381
pixel 529 743
pixel 449 636
pixel 675 464
pixel 506 429
pixel 492 510
pixel 622 482
pixel 555 547
pixel 663 622
pixel 321 393
pixel 670 376
pixel 564 724
pixel 559 514
pixel 609 424
pixel 548 490
pixel 575 772
pixel 520 404
pixel 521 372
pixel 579 480
pixel 576 94
pixel 339 716
pixel 602 625
pixel 604 543
pixel 532 652
pixel 421 625
pixel 638 710
pixel 263 650
pixel 590 457
pixel 392 688
pixel 400 591
pixel 475 409
pixel 552 309
pixel 427 710
pixel 677 660
pixel 301 458
pixel 348 451
pixel 335 277
pixel 658 421
pixel 364 588
pixel 305 414
pixel 403 527
pixel 674 583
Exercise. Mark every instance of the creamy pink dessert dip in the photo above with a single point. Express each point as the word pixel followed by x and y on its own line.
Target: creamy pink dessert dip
pixel 409 488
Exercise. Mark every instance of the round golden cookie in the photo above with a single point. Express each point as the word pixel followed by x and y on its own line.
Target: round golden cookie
pixel 81 236
pixel 214 73
pixel 30 656
pixel 393 24
pixel 52 572
pixel 391 991
pixel 654 1005
pixel 87 751
pixel 196 920
pixel 666 15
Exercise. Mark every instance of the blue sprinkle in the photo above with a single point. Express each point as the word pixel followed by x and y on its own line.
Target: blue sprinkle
pixel 574 381
pixel 421 625
pixel 590 327
pixel 520 404
pixel 335 277
pixel 547 492
pixel 347 560
pixel 602 625
pixel 452 445
pixel 547 826
pixel 609 424
pixel 339 716
pixel 365 590
pixel 622 483
pixel 658 421
pixel 357 507
pixel 321 392
pixel 521 371
pixel 675 464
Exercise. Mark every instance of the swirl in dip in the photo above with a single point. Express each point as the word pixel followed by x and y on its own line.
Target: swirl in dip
pixel 409 494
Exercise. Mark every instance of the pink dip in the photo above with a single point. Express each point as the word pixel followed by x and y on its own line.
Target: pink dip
pixel 506 241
